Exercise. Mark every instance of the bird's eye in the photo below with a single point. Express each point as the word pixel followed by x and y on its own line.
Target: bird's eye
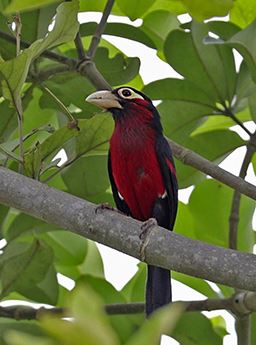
pixel 126 93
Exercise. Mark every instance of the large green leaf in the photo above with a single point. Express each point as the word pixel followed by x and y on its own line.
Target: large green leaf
pixel 201 9
pixel 90 323
pixel 69 249
pixel 195 328
pixel 123 30
pixel 157 25
pixel 24 266
pixel 211 69
pixel 16 5
pixel 243 12
pixel 83 179
pixel 117 70
pixel 14 72
pixel 134 8
pixel 8 326
pixel 211 215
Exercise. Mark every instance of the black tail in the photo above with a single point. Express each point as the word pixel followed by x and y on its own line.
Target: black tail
pixel 158 288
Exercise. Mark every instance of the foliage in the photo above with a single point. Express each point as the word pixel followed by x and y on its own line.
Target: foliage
pixel 198 110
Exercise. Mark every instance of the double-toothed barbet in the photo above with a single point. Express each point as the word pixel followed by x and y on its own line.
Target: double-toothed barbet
pixel 141 172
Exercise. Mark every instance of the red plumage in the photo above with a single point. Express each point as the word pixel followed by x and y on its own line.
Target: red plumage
pixel 135 166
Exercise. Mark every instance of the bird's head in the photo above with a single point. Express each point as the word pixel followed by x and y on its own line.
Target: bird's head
pixel 126 103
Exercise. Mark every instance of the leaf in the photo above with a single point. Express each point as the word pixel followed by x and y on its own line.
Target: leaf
pixel 16 5
pixel 211 70
pixel 90 323
pixel 15 71
pixel 200 9
pixel 9 326
pixel 3 213
pixel 243 12
pixel 82 179
pixel 134 9
pixel 25 225
pixel 35 23
pixel 117 70
pixel 23 266
pixel 195 328
pixel 205 209
pixel 123 30
pixel 162 321
pixel 157 26
pixel 215 146
pixel 21 338
pixel 69 248
pixel 122 324
pixel 197 284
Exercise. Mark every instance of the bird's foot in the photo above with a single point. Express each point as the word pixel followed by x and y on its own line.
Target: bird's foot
pixel 106 206
pixel 146 227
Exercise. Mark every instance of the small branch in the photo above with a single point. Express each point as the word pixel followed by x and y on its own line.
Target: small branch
pixel 191 158
pixel 79 47
pixel 99 30
pixel 243 330
pixel 20 312
pixel 234 214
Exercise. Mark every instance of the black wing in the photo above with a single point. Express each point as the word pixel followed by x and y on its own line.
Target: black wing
pixel 120 203
pixel 165 209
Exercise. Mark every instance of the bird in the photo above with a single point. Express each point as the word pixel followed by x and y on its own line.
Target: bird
pixel 142 173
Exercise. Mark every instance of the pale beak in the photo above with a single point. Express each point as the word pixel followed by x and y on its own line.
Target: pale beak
pixel 104 99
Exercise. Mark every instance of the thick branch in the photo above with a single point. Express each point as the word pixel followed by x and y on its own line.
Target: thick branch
pixel 193 159
pixel 164 248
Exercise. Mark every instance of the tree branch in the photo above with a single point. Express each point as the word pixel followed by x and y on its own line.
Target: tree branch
pixel 234 214
pixel 21 312
pixel 164 248
pixel 100 29
pixel 193 159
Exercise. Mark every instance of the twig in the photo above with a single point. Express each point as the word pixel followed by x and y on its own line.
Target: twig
pixel 20 312
pixel 79 47
pixel 243 329
pixel 17 100
pixel 234 214
pixel 99 30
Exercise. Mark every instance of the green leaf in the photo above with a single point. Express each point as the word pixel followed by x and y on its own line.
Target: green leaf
pixel 69 248
pixel 25 225
pixel 3 213
pixel 117 70
pixel 94 186
pixel 195 328
pixel 93 264
pixel 244 41
pixel 16 5
pixel 9 326
pixel 123 30
pixel 200 9
pixel 205 209
pixel 211 70
pixel 35 23
pixel 197 284
pixel 15 71
pixel 23 266
pixel 122 324
pixel 90 323
pixel 215 146
pixel 21 338
pixel 162 321
pixel 157 25
pixel 134 9
pixel 243 12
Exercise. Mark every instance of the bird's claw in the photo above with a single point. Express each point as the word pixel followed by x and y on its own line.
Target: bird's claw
pixel 143 236
pixel 106 206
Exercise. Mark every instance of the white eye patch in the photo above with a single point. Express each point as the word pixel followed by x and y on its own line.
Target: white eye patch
pixel 128 93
